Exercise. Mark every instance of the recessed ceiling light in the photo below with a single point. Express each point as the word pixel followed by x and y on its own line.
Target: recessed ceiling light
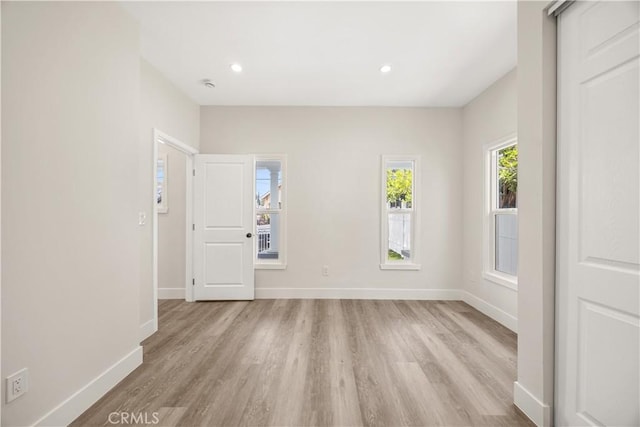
pixel 385 68
pixel 208 83
pixel 236 67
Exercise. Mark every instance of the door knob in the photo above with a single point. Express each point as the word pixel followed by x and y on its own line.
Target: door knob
pixel 249 235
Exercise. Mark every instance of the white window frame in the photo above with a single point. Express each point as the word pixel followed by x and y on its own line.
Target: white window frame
pixel 490 211
pixel 411 264
pixel 281 262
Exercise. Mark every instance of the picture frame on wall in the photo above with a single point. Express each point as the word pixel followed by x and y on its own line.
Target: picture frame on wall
pixel 161 184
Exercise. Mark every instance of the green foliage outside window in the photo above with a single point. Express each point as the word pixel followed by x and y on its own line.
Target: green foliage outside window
pixel 399 186
pixel 508 177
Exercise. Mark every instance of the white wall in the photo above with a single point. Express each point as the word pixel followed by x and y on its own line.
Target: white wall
pixel 172 227
pixel 334 193
pixel 533 392
pixel 167 109
pixel 70 299
pixel 491 116
pixel 0 197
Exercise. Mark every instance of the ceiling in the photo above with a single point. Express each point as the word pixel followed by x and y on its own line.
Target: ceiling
pixel 329 53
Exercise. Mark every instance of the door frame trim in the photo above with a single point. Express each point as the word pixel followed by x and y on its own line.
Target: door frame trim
pixel 160 137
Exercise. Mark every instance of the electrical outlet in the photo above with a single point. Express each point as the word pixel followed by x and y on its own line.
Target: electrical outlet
pixel 142 218
pixel 17 384
pixel 325 270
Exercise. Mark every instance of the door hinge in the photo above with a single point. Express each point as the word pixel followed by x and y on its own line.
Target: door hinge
pixel 193 227
pixel 194 172
pixel 193 282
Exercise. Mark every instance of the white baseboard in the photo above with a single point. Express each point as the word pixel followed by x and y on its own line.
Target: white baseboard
pixel 531 406
pixel 490 310
pixel 171 293
pixel 82 400
pixel 357 293
pixel 147 329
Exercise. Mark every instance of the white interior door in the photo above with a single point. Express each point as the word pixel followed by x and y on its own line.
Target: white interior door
pixel 223 219
pixel 598 281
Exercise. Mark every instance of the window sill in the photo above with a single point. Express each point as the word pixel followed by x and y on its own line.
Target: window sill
pixel 270 267
pixel 400 266
pixel 505 280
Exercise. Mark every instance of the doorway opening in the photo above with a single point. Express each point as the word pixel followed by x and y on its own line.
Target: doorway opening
pixel 172 219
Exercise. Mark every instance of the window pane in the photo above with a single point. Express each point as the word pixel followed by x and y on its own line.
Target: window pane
pixel 268 184
pixel 507 165
pixel 507 244
pixel 268 236
pixel 399 237
pixel 399 184
pixel 160 189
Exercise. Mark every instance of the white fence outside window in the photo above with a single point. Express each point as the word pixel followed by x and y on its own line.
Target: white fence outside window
pixel 400 233
pixel 264 237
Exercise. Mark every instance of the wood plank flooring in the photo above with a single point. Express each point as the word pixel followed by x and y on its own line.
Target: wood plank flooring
pixel 319 363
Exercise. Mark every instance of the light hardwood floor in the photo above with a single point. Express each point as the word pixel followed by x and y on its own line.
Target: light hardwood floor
pixel 320 363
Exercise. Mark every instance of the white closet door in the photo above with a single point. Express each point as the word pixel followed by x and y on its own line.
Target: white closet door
pixel 598 282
